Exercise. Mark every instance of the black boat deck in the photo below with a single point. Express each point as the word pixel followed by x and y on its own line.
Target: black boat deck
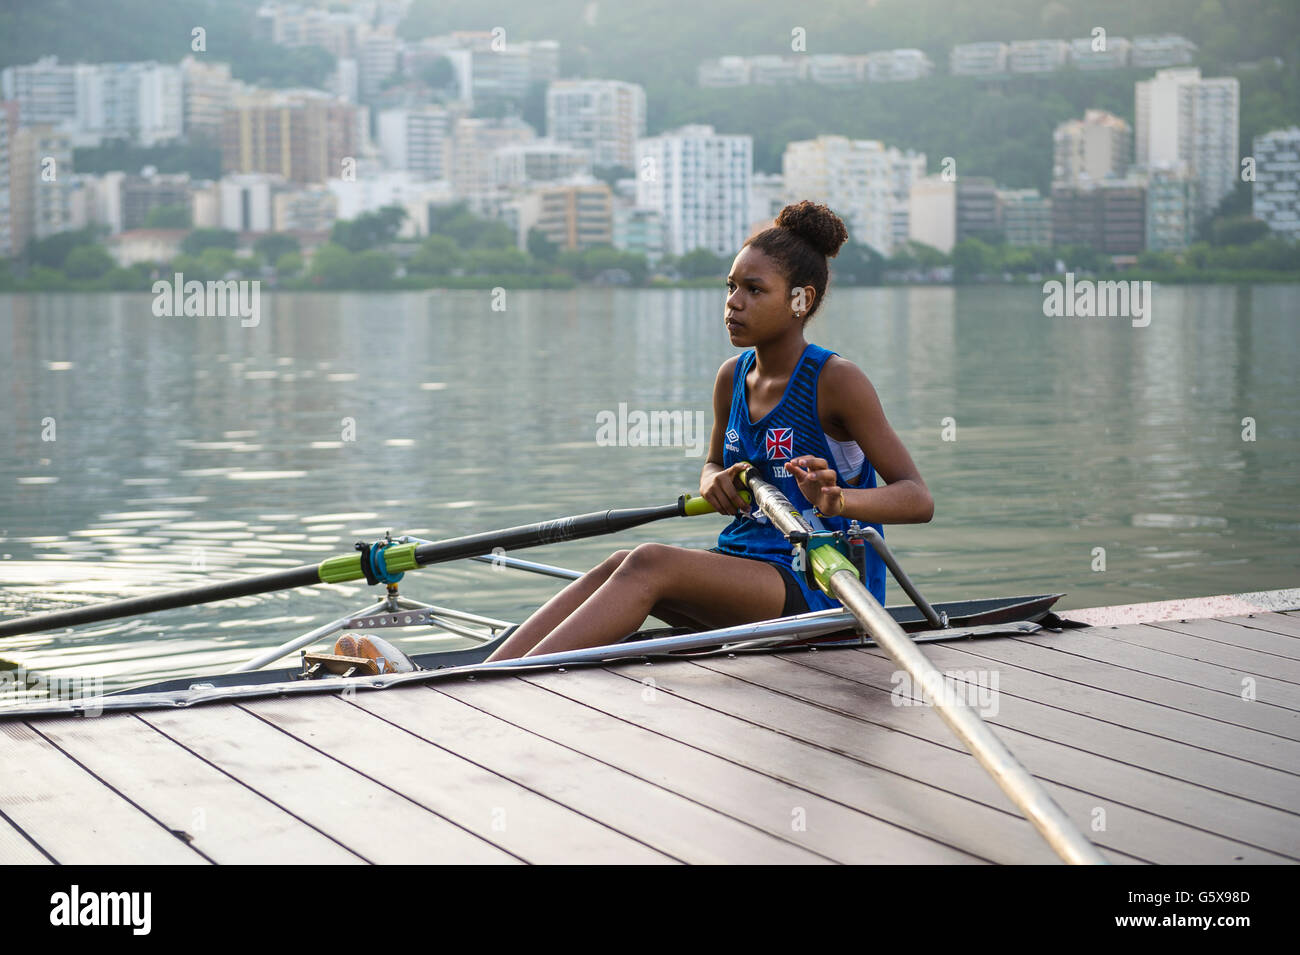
pixel 1166 742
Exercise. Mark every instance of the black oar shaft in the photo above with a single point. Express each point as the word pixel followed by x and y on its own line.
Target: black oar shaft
pixel 527 535
pixel 544 532
pixel 209 593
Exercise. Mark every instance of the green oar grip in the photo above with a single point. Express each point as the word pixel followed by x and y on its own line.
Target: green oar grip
pixel 693 505
pixel 397 558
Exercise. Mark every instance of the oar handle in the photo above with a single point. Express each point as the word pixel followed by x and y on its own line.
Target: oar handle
pixel 399 557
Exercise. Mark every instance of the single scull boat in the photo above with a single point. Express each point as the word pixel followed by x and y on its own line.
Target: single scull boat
pixel 832 560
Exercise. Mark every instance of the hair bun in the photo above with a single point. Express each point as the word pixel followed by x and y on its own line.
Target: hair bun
pixel 815 224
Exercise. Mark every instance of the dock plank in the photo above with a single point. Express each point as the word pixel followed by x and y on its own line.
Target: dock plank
pixel 1237 635
pixel 1169 639
pixel 683 829
pixel 322 792
pixel 1075 778
pixel 73 815
pixel 218 815
pixel 1275 708
pixel 529 825
pixel 1287 624
pixel 1121 709
pixel 1014 711
pixel 1057 662
pixel 812 755
pixel 16 848
pixel 845 834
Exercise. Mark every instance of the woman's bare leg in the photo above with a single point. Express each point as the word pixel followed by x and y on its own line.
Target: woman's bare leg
pixel 714 588
pixel 552 613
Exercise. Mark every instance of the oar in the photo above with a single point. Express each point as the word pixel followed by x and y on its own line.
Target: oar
pixel 837 576
pixel 397 558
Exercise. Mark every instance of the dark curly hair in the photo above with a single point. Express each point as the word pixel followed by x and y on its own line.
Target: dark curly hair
pixel 803 237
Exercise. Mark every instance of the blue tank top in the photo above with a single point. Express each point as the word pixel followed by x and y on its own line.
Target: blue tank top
pixel 790 430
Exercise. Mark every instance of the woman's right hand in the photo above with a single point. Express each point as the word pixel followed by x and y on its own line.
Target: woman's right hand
pixel 719 489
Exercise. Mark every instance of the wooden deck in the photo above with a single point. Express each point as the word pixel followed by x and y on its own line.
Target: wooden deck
pixel 1145 734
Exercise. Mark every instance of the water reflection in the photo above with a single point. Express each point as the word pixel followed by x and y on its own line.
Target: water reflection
pixel 148 453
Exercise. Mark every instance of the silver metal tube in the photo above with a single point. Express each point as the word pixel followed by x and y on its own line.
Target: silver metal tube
pixel 807 624
pixel 550 570
pixel 1022 788
pixel 270 656
pixel 492 622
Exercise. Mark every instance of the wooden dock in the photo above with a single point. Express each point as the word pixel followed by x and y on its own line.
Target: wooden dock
pixel 1165 742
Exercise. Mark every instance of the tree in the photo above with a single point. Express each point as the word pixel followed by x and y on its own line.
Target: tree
pixel 928 257
pixel 438 74
pixel 200 239
pixel 271 247
pixel 368 230
pixel 215 262
pixel 541 247
pixel 858 264
pixel 51 251
pixel 509 261
pixel 288 264
pixel 124 280
pixel 474 232
pixel 1079 258
pixel 1237 230
pixel 437 255
pixel 331 265
pixel 372 269
pixel 701 262
pixel 971 258
pixel 87 262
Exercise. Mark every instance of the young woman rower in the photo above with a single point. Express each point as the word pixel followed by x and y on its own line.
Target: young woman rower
pixel 812 424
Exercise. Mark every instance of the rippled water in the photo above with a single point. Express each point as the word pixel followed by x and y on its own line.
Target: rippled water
pixel 189 449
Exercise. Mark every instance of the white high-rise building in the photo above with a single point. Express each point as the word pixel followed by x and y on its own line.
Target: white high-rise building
pixel 8 128
pixel 245 201
pixel 933 213
pixel 161 104
pixel 861 180
pixel 1276 192
pixel 142 102
pixel 1099 146
pixel 766 198
pixel 208 90
pixel 606 117
pixel 541 161
pixel 378 59
pixel 46 91
pixel 1089 53
pixel 1037 56
pixel 472 171
pixel 416 139
pixel 1184 118
pixel 978 59
pixel 1168 50
pixel 699 183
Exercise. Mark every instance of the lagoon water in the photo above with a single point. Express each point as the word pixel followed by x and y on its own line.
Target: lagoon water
pixel 146 453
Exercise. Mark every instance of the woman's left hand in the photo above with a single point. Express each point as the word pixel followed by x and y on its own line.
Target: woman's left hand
pixel 819 483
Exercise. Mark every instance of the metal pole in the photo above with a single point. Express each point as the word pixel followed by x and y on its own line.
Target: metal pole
pixel 1022 788
pixel 270 656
